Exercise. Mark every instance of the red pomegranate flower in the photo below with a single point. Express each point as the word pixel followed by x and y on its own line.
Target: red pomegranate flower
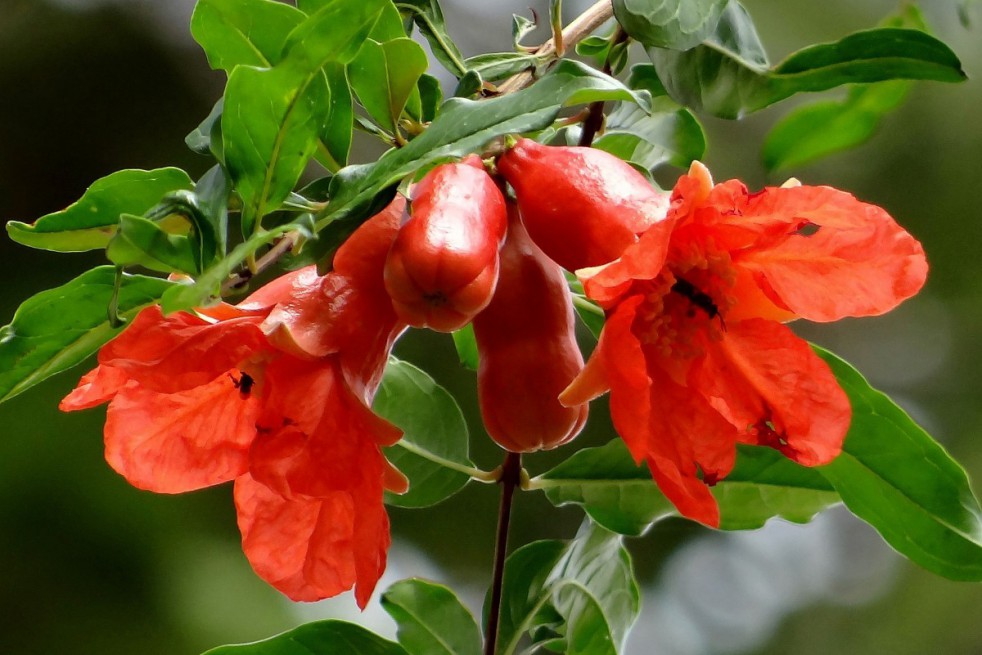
pixel 273 393
pixel 694 351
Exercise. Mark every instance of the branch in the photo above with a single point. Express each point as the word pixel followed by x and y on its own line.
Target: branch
pixel 581 27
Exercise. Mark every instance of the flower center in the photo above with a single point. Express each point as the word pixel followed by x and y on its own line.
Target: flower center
pixel 685 305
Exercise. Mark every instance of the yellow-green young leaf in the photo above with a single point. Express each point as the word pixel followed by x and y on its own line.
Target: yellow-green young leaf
pixel 319 638
pixel 384 76
pixel 58 328
pixel 90 223
pixel 431 620
pixel 274 116
pixel 466 344
pixel 729 76
pixel 243 32
pixel 895 477
pixel 434 441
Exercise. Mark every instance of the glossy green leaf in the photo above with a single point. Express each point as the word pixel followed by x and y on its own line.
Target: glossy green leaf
pixel 729 76
pixel 675 24
pixel 206 138
pixel 243 32
pixel 895 477
pixel 465 126
pixel 336 131
pixel 319 638
pixel 90 223
pixel 384 76
pixel 431 620
pixel 578 597
pixel 621 496
pixel 594 46
pixel 206 288
pixel 273 116
pixel 430 97
pixel 433 448
pixel 429 19
pixel 669 134
pixel 824 128
pixel 465 342
pixel 56 329
pixel 141 242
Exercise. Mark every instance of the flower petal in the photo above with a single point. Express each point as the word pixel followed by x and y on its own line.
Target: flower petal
pixel 859 262
pixel 313 548
pixel 776 391
pixel 96 387
pixel 181 351
pixel 177 442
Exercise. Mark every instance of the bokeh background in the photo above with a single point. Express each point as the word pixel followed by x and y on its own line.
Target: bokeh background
pixel 89 565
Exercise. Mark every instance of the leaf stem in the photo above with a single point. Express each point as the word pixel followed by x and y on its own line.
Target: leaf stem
pixel 511 476
pixel 595 120
pixel 487 477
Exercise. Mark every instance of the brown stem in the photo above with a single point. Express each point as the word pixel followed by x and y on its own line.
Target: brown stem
pixel 595 120
pixel 282 247
pixel 511 474
pixel 581 27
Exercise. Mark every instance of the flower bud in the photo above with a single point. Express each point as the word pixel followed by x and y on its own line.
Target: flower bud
pixel 443 266
pixel 582 206
pixel 528 352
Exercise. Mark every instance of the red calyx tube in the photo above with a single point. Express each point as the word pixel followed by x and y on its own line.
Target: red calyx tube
pixel 582 206
pixel 443 266
pixel 528 352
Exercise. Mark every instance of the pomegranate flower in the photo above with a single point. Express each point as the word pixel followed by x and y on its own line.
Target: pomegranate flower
pixel 694 350
pixel 274 394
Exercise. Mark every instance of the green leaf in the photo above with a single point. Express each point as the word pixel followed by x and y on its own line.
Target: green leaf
pixel 522 27
pixel 895 477
pixel 336 131
pixel 465 342
pixel 429 19
pixel 90 223
pixel 819 129
pixel 319 638
pixel 579 598
pixel 433 449
pixel 675 24
pixel 206 138
pixel 465 126
pixel 499 65
pixel 824 128
pixel 56 329
pixel 621 496
pixel 273 116
pixel 670 134
pixel 206 289
pixel 243 32
pixel 384 76
pixel 141 242
pixel 728 75
pixel 430 97
pixel 431 619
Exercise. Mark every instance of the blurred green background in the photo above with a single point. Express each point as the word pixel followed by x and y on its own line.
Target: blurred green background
pixel 92 566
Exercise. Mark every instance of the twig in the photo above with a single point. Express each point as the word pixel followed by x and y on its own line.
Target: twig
pixel 280 248
pixel 511 476
pixel 581 27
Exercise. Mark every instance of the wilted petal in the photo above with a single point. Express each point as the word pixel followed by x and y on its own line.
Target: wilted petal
pixel 776 391
pixel 176 442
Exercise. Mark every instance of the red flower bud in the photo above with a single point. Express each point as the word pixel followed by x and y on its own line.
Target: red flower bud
pixel 582 206
pixel 443 265
pixel 528 351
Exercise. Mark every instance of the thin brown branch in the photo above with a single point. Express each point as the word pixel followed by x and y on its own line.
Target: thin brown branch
pixel 280 248
pixel 511 477
pixel 581 27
